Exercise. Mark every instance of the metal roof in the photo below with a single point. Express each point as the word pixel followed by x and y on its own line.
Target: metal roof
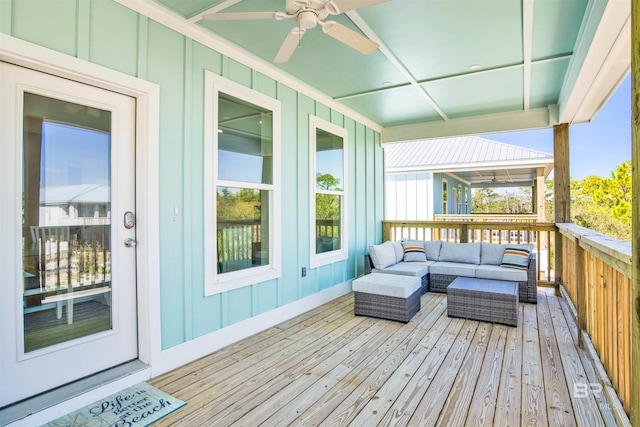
pixel 479 161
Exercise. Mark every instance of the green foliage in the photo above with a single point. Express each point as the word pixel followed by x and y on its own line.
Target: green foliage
pixel 598 203
pixel 238 205
pixel 604 204
pixel 327 205
pixel 489 201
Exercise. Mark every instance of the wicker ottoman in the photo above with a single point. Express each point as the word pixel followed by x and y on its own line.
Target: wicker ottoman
pixel 482 299
pixel 387 296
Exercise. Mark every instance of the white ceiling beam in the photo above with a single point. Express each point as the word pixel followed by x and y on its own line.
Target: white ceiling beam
pixel 534 118
pixel 215 9
pixel 384 49
pixel 527 48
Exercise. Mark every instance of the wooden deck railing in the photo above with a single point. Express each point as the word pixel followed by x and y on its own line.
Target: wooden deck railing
pixel 596 279
pixel 487 217
pixel 541 235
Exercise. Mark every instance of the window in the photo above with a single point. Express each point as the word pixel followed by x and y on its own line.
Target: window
pixel 466 200
pixel 459 198
pixel 242 163
pixel 328 189
pixel 445 197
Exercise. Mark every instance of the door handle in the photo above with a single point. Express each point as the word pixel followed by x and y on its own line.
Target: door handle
pixel 129 242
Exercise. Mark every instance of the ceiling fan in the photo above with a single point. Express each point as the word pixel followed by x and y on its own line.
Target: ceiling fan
pixel 308 14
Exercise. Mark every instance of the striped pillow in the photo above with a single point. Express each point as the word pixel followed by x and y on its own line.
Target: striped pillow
pixel 414 251
pixel 517 258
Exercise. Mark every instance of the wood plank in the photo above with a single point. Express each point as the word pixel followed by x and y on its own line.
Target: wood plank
pixel 280 390
pixel 273 339
pixel 534 409
pixel 367 390
pixel 559 409
pixel 457 404
pixel 325 381
pixel 412 377
pixel 483 405
pixel 587 364
pixel 510 391
pixel 432 403
pixel 586 409
pixel 346 389
pixel 338 369
pixel 250 374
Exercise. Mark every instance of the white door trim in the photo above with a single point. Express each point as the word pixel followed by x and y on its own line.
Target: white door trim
pixel 147 95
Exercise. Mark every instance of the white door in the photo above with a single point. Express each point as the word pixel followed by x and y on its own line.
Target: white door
pixel 67 251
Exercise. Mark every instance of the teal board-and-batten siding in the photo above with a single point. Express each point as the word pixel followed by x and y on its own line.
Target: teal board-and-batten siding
pixel 106 33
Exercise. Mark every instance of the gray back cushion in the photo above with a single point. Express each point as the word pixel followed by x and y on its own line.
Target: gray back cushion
pixel 382 255
pixel 432 249
pixel 491 253
pixel 399 250
pixel 468 253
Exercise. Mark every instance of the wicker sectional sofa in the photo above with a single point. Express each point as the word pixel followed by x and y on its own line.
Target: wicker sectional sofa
pixel 438 263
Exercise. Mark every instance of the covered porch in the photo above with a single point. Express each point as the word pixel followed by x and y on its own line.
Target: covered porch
pixel 329 367
pixel 285 347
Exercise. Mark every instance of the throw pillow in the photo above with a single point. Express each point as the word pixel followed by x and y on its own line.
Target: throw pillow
pixel 517 258
pixel 413 251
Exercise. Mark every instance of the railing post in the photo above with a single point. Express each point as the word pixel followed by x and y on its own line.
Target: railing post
pixel 561 191
pixel 464 233
pixel 581 291
pixel 635 228
pixel 386 231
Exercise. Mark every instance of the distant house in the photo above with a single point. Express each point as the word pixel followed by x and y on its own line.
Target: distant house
pixel 424 178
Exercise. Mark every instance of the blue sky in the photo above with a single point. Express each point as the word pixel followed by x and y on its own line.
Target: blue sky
pixel 595 148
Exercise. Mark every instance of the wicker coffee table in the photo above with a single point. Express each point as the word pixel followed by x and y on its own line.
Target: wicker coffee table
pixel 482 299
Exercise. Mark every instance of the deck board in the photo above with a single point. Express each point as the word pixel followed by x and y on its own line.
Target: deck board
pixel 328 367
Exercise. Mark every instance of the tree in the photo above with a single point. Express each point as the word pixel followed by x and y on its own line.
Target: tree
pixel 489 201
pixel 604 204
pixel 327 205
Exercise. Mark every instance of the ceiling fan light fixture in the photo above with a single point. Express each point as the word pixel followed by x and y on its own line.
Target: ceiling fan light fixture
pixel 307 19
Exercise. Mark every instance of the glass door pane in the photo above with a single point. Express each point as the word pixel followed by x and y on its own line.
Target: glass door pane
pixel 66 216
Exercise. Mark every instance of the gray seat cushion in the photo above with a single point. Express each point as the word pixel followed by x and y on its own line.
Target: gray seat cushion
pixel 453 269
pixel 501 273
pixel 417 269
pixel 387 285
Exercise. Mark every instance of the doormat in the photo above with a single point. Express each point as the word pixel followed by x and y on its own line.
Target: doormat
pixel 136 406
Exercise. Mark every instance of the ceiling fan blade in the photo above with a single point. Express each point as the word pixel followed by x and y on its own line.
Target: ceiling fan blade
pixel 349 37
pixel 289 45
pixel 238 16
pixel 347 5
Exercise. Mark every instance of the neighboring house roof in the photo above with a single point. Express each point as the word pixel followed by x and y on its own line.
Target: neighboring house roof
pixel 83 193
pixel 480 162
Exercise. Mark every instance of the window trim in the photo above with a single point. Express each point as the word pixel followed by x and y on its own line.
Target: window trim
pixel 318 260
pixel 215 282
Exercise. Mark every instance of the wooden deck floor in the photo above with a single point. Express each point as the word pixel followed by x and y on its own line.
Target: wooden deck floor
pixel 329 367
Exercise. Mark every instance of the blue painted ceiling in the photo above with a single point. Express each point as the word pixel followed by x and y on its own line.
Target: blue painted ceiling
pixel 438 59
